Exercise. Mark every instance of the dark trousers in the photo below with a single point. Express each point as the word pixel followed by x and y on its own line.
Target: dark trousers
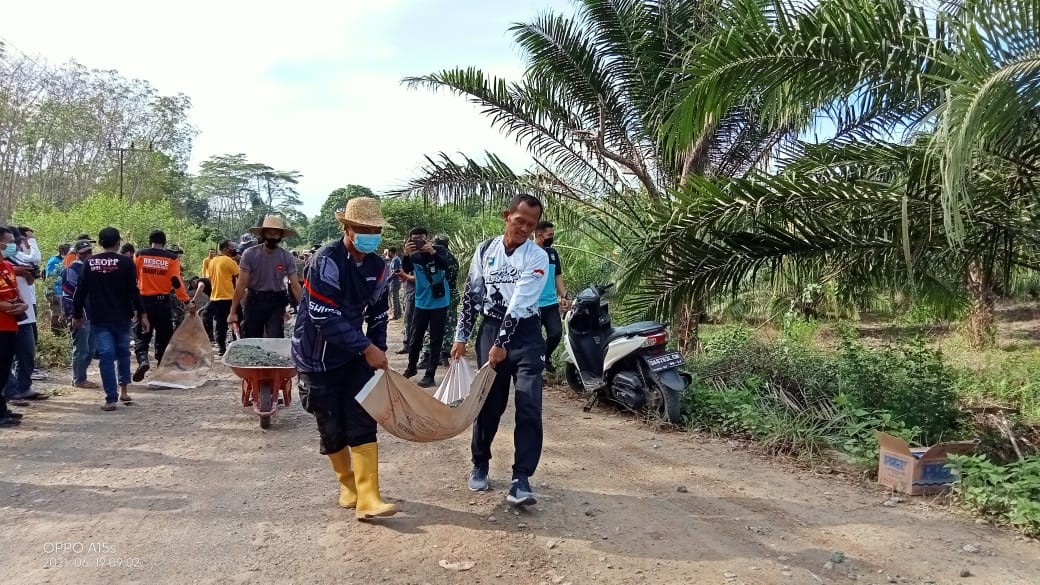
pixel 20 383
pixel 207 323
pixel 217 320
pixel 160 318
pixel 424 320
pixel 7 343
pixel 395 297
pixel 553 325
pixel 523 366
pixel 265 314
pixel 331 397
pixel 409 312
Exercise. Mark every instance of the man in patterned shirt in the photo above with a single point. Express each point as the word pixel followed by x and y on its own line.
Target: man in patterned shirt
pixel 506 279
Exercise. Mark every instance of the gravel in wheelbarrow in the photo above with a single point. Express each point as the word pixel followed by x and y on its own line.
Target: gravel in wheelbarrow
pixel 245 355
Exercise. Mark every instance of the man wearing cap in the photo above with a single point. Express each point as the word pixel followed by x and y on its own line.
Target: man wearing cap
pixel 338 343
pixel 264 270
pixel 452 278
pixel 158 273
pixel 178 308
pixel 108 294
pixel 83 346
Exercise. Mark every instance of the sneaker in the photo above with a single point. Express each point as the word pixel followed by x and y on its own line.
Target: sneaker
pixel 140 372
pixel 427 382
pixel 9 421
pixel 410 372
pixel 14 415
pixel 38 375
pixel 109 406
pixel 87 384
pixel 520 493
pixel 478 480
pixel 402 351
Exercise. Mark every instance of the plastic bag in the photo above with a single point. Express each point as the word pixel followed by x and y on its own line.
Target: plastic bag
pixel 188 357
pixel 457 383
pixel 411 413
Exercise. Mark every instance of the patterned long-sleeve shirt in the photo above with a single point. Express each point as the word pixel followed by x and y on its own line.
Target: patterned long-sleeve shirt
pixel 339 297
pixel 503 287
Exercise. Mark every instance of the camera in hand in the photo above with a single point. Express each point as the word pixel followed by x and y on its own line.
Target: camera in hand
pixel 437 289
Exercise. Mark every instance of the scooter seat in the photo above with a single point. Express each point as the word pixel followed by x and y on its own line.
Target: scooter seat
pixel 641 328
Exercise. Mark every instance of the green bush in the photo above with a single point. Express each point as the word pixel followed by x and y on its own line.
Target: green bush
pixel 909 380
pixel 801 399
pixel 134 220
pixel 52 351
pixel 1010 493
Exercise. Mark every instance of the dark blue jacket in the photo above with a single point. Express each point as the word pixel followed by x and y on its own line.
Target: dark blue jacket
pixel 338 297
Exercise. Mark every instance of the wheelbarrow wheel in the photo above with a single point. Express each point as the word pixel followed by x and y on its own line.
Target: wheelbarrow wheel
pixel 266 402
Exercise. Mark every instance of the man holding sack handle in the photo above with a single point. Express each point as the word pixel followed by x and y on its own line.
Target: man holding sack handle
pixel 506 279
pixel 347 287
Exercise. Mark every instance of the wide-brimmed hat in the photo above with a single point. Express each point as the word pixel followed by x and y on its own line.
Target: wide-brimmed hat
pixel 274 222
pixel 363 211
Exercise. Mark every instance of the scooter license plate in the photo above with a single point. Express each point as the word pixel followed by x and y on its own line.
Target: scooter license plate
pixel 665 361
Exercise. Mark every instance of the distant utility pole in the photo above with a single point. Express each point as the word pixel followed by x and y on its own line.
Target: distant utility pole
pixel 122 154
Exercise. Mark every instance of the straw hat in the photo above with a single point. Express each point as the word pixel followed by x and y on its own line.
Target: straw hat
pixel 363 211
pixel 274 222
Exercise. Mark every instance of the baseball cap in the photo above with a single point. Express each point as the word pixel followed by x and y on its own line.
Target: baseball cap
pixel 83 245
pixel 175 249
pixel 108 237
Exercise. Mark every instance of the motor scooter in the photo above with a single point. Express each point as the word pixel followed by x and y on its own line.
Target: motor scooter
pixel 629 365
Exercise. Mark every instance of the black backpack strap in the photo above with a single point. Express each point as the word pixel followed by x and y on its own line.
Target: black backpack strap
pixel 484 248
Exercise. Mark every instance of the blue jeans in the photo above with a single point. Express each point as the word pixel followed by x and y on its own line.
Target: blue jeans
pixel 83 349
pixel 20 383
pixel 113 345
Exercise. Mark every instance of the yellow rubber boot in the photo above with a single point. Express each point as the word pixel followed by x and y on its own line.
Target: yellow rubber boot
pixel 366 469
pixel 347 489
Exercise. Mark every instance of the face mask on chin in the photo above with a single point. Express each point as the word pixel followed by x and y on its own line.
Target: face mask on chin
pixel 272 243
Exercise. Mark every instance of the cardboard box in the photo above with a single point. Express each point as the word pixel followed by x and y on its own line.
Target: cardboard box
pixel 917 470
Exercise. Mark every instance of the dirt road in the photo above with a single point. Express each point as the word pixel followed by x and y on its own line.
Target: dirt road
pixel 184 487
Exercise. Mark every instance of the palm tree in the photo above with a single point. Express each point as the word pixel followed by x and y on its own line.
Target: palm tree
pixel 929 180
pixel 589 109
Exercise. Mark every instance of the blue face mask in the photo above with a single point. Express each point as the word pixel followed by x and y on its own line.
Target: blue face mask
pixel 10 250
pixel 367 243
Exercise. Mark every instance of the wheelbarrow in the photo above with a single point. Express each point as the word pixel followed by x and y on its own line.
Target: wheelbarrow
pixel 261 384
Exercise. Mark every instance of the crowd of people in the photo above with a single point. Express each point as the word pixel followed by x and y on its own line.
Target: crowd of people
pixel 108 295
pixel 105 296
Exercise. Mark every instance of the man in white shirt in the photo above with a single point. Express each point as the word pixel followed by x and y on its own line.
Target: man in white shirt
pixel 26 266
pixel 506 279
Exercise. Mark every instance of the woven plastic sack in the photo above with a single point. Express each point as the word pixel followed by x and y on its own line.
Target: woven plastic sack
pixel 413 414
pixel 188 357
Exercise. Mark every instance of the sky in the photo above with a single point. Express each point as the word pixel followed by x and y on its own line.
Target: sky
pixel 311 86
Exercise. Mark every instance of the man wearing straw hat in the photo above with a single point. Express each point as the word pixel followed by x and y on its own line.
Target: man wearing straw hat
pixel 264 270
pixel 347 287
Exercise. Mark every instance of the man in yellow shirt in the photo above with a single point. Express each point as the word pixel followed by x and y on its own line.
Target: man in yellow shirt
pixel 223 274
pixel 206 261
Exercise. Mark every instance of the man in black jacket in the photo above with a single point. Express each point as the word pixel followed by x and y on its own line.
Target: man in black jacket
pixel 108 290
